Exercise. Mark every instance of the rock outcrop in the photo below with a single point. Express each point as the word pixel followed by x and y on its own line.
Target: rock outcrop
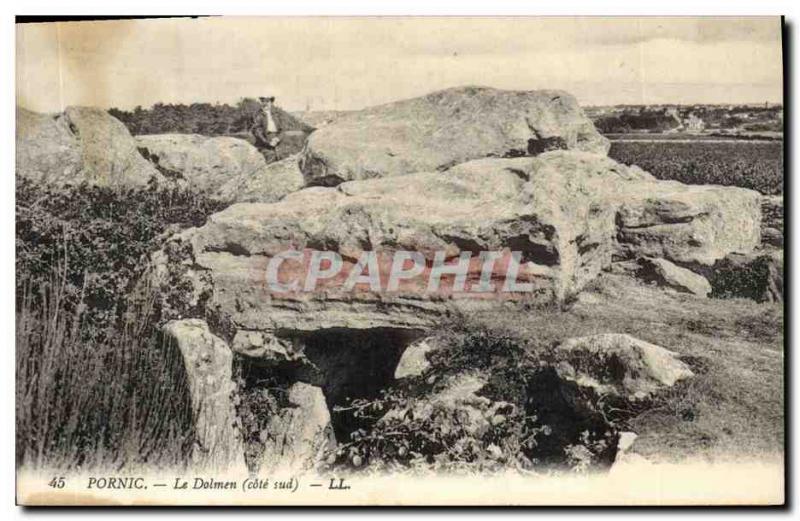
pixel 437 131
pixel 272 182
pixel 664 273
pixel 446 177
pixel 566 213
pixel 690 225
pixel 226 168
pixel 81 145
pixel 556 217
pixel 414 360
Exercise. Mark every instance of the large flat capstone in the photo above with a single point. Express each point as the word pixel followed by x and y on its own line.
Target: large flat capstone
pixel 566 213
pixel 441 129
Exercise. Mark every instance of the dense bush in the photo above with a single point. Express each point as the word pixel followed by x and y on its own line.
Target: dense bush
pixel 754 165
pixel 759 278
pixel 97 240
pixel 95 385
pixel 645 121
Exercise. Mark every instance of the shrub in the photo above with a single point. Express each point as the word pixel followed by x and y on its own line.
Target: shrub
pixel 97 239
pixel 120 400
pixel 404 428
pixel 759 278
pixel 96 386
pixel 440 440
pixel 261 396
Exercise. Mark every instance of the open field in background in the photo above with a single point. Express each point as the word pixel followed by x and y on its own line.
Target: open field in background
pixel 685 136
pixel 757 165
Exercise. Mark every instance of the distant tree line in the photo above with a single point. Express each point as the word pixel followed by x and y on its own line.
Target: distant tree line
pixel 643 119
pixel 650 121
pixel 208 119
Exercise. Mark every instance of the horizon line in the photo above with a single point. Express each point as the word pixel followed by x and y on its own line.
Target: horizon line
pixel 130 108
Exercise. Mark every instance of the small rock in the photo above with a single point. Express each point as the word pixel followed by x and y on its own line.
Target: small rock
pixel 772 220
pixel 626 440
pixel 630 465
pixel 620 365
pixel 263 346
pixel 498 420
pixel 665 273
pixel 414 361
pixel 495 451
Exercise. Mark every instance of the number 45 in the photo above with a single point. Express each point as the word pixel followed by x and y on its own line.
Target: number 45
pixel 56 482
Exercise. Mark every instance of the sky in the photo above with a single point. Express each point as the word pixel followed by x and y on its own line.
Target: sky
pixel 321 63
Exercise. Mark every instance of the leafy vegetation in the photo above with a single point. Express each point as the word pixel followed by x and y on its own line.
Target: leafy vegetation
pixel 95 385
pixel 755 165
pixel 97 239
pixel 514 421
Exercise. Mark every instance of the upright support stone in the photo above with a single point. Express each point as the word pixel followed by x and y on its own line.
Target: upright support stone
pixel 208 362
pixel 297 438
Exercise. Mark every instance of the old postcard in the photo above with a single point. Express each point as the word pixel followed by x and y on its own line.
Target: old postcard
pixel 400 261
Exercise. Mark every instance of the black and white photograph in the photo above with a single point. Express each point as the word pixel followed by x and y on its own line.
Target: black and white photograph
pixel 400 261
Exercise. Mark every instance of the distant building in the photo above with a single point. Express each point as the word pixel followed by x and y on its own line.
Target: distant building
pixel 694 124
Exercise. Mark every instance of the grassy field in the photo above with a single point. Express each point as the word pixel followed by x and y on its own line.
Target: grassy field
pixel 757 165
pixel 732 408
